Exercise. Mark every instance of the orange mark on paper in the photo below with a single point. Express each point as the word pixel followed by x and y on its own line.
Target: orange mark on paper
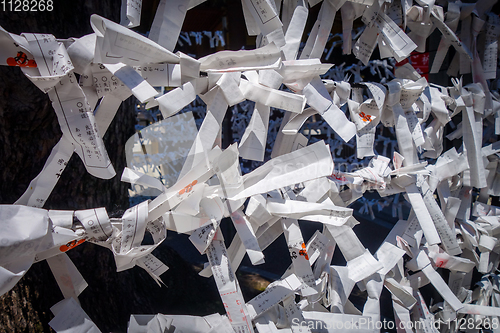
pixel 188 188
pixel 71 245
pixel 21 60
pixel 365 117
pixel 303 252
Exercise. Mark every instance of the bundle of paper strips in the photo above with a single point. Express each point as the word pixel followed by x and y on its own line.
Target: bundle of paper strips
pixel 452 230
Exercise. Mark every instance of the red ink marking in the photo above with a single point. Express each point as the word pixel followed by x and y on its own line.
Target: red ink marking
pixel 188 188
pixel 365 117
pixel 303 252
pixel 441 262
pixel 21 60
pixel 338 177
pixel 71 245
